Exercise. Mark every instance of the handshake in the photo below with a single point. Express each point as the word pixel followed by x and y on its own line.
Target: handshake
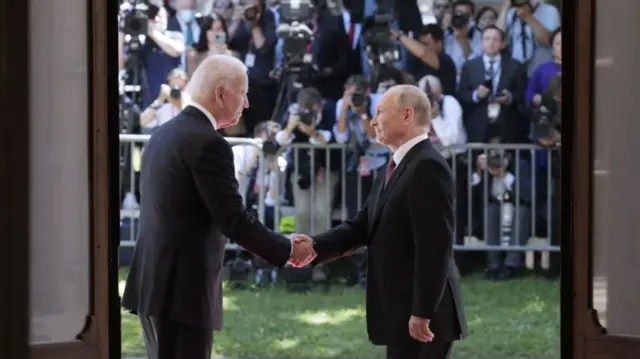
pixel 302 252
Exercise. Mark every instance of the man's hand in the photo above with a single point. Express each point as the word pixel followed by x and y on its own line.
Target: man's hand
pixel 524 12
pixel 537 99
pixel 308 130
pixel 395 34
pixel 419 329
pixel 303 252
pixel 483 91
pixel 504 98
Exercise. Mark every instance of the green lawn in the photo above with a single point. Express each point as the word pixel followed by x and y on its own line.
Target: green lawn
pixel 511 320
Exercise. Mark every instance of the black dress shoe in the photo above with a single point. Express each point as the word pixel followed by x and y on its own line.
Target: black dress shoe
pixel 508 273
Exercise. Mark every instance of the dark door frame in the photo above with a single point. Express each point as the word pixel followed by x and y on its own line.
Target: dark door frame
pixel 590 340
pixel 14 205
pixel 100 337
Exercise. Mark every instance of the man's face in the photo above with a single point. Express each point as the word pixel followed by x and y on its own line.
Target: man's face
pixel 557 46
pixel 431 42
pixel 234 101
pixel 492 41
pixel 465 9
pixel 223 8
pixel 440 7
pixel 390 122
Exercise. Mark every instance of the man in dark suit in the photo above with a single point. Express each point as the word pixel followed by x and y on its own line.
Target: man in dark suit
pixel 491 90
pixel 413 293
pixel 189 199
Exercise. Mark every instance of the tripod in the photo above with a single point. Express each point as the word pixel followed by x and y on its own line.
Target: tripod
pixel 130 93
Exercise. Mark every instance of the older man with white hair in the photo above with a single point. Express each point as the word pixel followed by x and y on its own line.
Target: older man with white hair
pixel 413 291
pixel 190 199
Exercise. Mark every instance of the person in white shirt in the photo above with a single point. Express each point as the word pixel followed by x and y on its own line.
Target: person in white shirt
pixel 447 129
pixel 171 100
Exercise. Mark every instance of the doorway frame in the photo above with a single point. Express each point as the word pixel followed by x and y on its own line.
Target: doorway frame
pixel 589 339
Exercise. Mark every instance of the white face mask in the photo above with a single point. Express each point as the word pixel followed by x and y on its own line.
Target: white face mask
pixel 186 15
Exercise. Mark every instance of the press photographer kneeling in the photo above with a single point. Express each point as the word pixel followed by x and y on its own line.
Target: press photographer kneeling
pixel 547 121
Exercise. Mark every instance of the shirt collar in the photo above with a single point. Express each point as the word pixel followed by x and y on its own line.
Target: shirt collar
pixel 206 113
pixel 406 147
pixel 486 58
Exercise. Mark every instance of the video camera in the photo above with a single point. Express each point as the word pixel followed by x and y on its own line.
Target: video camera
pixel 295 15
pixel 460 20
pixel 379 46
pixel 134 18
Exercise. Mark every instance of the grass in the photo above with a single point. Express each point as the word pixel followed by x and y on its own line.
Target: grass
pixel 507 320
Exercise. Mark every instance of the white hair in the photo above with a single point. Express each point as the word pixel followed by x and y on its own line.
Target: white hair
pixel 213 71
pixel 413 97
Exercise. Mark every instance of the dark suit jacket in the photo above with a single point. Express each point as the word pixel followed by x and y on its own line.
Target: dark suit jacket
pixel 408 229
pixel 330 49
pixel 513 77
pixel 189 198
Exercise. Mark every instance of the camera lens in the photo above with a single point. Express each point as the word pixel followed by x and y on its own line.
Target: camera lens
pixel 460 20
pixel 358 98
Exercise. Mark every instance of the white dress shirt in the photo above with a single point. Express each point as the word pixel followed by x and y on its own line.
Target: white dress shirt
pixel 402 151
pixel 448 126
pixel 206 113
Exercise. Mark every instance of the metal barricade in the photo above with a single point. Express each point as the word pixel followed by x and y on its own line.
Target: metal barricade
pixel 315 212
pixel 132 144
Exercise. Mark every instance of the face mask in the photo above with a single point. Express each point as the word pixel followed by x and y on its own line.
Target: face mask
pixel 186 15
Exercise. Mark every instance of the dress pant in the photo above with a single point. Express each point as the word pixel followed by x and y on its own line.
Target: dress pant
pixel 166 338
pixel 414 349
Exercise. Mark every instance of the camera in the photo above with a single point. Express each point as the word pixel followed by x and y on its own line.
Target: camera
pixel 306 116
pixel 496 160
pixel 175 93
pixel 358 98
pixel 460 19
pixel 251 12
pixel 295 33
pixel 134 18
pixel 544 122
pixel 380 48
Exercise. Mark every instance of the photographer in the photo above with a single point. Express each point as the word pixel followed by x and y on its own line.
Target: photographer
pixel 212 41
pixel 547 121
pixel 542 75
pixel 447 128
pixel 170 102
pixel 463 40
pixel 528 24
pixel 365 156
pixel 310 120
pixel 504 200
pixel 255 40
pixel 330 50
pixel 428 49
pixel 152 60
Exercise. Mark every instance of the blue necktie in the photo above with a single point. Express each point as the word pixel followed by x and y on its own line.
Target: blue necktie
pixel 189 40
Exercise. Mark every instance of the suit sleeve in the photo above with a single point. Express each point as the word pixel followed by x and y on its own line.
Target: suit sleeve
pixel 465 88
pixel 214 177
pixel 431 212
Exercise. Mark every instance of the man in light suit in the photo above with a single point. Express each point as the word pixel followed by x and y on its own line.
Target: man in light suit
pixel 189 199
pixel 413 293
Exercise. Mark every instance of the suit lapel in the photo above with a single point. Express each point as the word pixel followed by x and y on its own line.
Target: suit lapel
pixel 384 191
pixel 479 70
pixel 504 74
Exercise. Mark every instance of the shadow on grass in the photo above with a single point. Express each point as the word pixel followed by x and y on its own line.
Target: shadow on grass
pixel 510 320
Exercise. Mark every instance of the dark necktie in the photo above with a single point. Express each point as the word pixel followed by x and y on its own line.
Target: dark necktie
pixel 492 69
pixel 352 33
pixel 391 166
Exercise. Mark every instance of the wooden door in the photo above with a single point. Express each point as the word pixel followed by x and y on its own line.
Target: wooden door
pixel 601 290
pixel 62 295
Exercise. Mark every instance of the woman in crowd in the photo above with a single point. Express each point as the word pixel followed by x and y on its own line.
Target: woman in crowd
pixel 542 75
pixel 485 17
pixel 213 41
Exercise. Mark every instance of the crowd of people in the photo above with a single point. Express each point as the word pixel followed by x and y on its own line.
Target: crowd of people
pixel 492 76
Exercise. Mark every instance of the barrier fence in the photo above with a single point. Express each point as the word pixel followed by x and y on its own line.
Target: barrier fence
pixel 505 199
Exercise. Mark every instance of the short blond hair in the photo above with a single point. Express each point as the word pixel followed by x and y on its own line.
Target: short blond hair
pixel 410 96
